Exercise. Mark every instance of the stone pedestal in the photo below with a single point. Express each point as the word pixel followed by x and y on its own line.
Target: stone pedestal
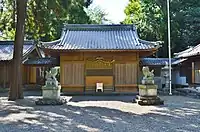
pixel 148 95
pixel 51 96
pixel 148 90
pixel 51 92
pixel 147 82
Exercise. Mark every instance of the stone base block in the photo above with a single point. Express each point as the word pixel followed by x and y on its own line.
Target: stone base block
pixel 148 100
pixel 147 82
pixel 148 90
pixel 51 92
pixel 60 101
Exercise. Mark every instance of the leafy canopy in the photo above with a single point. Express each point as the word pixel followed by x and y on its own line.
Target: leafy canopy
pixel 150 17
pixel 44 19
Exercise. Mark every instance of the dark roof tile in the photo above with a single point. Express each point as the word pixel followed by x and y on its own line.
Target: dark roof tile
pixel 157 61
pixel 42 61
pixel 99 37
pixel 6 49
pixel 192 51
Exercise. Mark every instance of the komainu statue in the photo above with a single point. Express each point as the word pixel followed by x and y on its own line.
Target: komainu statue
pixel 147 74
pixel 51 77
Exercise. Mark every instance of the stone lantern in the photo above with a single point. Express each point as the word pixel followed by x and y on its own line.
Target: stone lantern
pixel 165 75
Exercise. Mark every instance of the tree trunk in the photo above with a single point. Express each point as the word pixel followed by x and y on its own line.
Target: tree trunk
pixel 13 15
pixel 16 91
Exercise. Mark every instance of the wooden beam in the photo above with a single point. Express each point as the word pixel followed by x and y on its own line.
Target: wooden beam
pixel 73 86
pixel 49 51
pixel 126 85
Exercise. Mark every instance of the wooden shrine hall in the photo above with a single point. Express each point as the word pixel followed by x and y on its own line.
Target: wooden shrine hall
pixel 106 54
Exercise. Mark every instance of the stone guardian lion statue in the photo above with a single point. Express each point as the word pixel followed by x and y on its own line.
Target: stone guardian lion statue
pixel 51 77
pixel 147 74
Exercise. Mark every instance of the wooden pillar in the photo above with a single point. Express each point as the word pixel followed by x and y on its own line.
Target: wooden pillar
pixel 5 74
pixel 27 74
pixel 61 71
pixel 193 73
pixel 113 68
pixel 138 69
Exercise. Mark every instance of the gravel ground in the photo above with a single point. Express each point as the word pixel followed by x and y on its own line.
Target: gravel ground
pixel 102 113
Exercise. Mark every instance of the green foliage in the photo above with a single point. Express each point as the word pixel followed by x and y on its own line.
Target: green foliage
pixel 6 20
pixel 45 18
pixel 150 17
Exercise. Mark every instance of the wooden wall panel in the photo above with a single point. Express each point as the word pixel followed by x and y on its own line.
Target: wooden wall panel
pixel 99 72
pixel 79 70
pixel 126 56
pixel 92 80
pixel 126 73
pixel 126 89
pixel 5 74
pixel 119 74
pixel 2 74
pixel 32 74
pixel 72 74
pixel 71 57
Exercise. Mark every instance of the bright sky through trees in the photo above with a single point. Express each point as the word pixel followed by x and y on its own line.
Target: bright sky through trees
pixel 114 8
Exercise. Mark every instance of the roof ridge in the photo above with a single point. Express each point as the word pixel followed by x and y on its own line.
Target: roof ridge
pixel 99 26
pixel 156 43
pixel 184 51
pixel 198 45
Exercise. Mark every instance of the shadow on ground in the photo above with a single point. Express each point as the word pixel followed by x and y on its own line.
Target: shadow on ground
pixel 114 114
pixel 102 98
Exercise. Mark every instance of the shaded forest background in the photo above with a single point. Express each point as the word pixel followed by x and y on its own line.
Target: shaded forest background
pixel 150 17
pixel 45 18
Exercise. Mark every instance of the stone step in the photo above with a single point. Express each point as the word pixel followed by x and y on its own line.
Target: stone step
pixel 59 101
pixel 147 97
pixel 152 101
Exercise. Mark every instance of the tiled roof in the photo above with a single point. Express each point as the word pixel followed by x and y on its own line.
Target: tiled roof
pixel 42 61
pixel 157 61
pixel 188 52
pixel 192 51
pixel 6 49
pixel 178 61
pixel 99 37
